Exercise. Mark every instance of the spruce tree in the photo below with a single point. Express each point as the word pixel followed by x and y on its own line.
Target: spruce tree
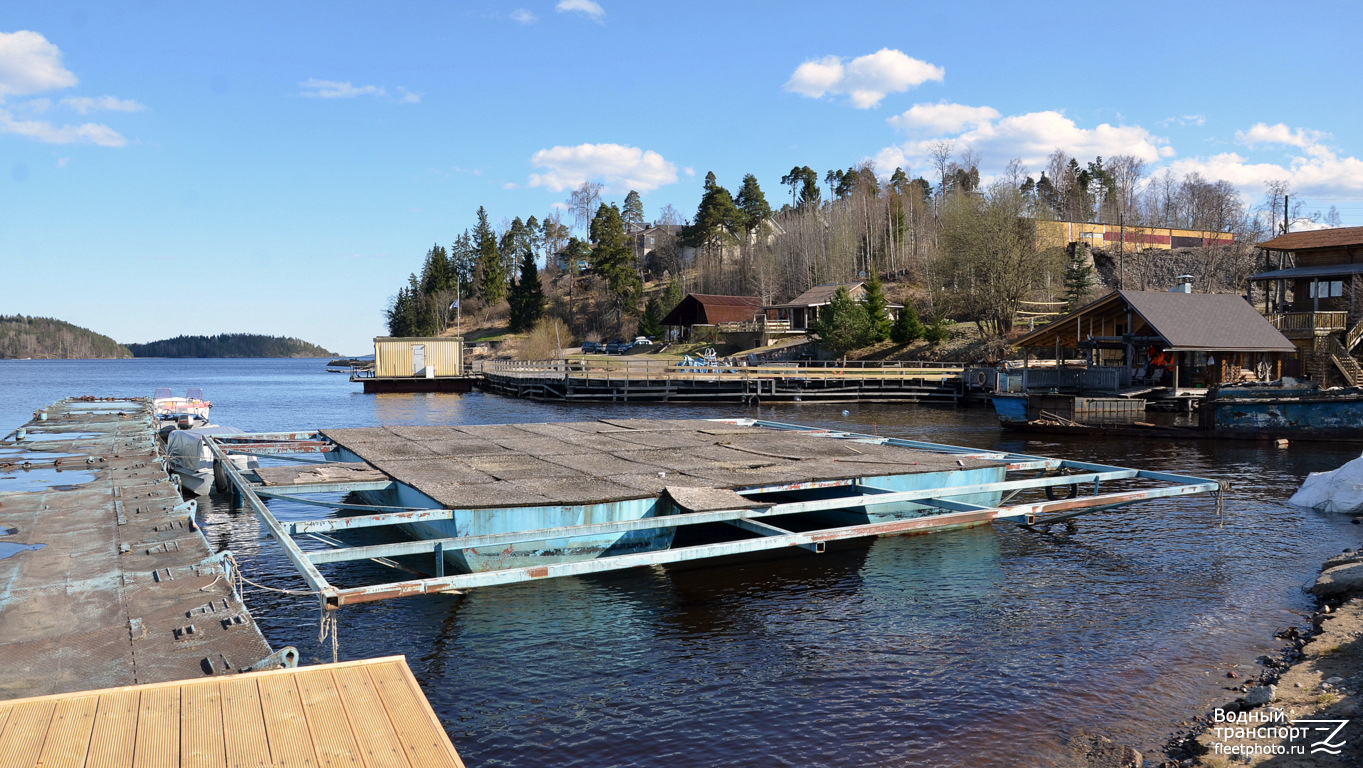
pixel 633 212
pixel 526 296
pixel 650 324
pixel 492 278
pixel 907 327
pixel 937 332
pixel 1078 276
pixel 842 324
pixel 877 310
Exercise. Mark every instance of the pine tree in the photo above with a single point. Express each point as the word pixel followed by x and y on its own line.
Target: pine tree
pixel 907 327
pixel 612 260
pixel 842 324
pixel 672 296
pixel 526 297
pixel 491 278
pixel 633 212
pixel 877 310
pixel 753 205
pixel 1078 276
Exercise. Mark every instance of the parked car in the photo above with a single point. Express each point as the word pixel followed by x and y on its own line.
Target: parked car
pixel 642 341
pixel 591 347
pixel 616 346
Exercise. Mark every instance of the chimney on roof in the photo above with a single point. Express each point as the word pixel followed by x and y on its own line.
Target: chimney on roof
pixel 1185 284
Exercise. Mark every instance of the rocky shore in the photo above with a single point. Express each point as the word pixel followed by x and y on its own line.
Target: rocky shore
pixel 1304 707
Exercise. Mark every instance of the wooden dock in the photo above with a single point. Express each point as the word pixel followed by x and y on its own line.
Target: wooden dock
pixel 367 713
pixel 632 379
pixel 105 578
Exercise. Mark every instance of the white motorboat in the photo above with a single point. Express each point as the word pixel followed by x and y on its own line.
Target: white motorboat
pixel 191 460
pixel 184 411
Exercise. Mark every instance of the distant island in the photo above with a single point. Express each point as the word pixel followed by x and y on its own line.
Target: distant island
pixel 229 345
pixel 45 338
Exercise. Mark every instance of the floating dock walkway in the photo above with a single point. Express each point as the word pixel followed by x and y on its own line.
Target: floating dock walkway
pixel 105 579
pixel 628 380
pixel 361 713
pixel 500 504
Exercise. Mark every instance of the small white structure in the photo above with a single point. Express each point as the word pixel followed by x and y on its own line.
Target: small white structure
pixel 1339 490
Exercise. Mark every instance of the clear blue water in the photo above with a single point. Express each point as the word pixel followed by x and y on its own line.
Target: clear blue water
pixel 977 647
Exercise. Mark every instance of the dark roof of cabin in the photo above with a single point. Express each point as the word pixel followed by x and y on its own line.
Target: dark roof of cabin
pixel 707 309
pixel 1315 270
pixel 819 295
pixel 1338 237
pixel 1188 322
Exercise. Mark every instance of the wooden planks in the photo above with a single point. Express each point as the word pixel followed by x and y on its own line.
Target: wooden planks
pixel 363 714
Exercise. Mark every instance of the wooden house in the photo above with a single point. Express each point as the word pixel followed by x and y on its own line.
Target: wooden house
pixel 803 310
pixel 1164 339
pixel 1315 297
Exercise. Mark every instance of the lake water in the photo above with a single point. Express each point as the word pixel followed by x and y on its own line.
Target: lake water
pixel 976 647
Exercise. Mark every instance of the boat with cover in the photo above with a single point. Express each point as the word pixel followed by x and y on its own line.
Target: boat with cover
pixel 191 460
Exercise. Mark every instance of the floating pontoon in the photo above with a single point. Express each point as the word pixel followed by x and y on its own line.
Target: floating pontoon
pixel 508 503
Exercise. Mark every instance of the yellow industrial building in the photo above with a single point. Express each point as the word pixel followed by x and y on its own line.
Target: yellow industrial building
pixel 1109 237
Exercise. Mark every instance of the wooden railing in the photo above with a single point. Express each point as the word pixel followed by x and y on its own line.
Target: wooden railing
pixel 1310 321
pixel 1344 361
pixel 1097 378
pixel 753 326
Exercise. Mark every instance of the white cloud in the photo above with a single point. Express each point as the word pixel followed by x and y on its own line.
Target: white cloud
pixel 619 167
pixel 31 64
pixel 408 97
pixel 1260 134
pixel 1033 137
pixel 1183 120
pixel 522 16
pixel 85 104
pixel 87 133
pixel 942 117
pixel 587 8
pixel 337 89
pixel 865 80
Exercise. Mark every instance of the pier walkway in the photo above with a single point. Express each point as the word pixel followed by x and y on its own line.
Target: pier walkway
pixel 626 379
pixel 361 713
pixel 105 579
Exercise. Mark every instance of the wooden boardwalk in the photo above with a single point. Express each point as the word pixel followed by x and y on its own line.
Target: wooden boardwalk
pixel 365 714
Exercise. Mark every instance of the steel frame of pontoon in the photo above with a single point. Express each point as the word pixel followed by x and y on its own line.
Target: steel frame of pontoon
pixel 1050 472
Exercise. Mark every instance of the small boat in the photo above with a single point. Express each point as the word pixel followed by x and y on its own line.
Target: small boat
pixel 191 460
pixel 184 411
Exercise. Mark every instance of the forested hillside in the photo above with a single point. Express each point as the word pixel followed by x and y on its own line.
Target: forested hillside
pixel 47 339
pixel 229 345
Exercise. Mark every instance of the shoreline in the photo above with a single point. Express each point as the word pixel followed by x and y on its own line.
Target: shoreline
pixel 1303 707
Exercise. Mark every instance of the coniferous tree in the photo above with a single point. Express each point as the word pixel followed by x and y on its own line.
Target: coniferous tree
pixel 650 323
pixel 672 296
pixel 937 332
pixel 842 324
pixel 1078 276
pixel 463 262
pixel 753 205
pixel 632 212
pixel 877 310
pixel 907 327
pixel 612 260
pixel 526 296
pixel 491 278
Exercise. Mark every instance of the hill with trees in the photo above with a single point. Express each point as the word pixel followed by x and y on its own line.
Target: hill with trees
pixel 229 345
pixel 45 338
pixel 950 244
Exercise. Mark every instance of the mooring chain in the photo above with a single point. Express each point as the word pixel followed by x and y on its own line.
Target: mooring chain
pixel 328 621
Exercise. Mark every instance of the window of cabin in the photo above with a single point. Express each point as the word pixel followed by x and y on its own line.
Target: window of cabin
pixel 1326 289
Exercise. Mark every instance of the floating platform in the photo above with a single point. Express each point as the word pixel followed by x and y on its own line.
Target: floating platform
pixel 506 503
pixel 105 579
pixel 644 381
pixel 381 384
pixel 360 713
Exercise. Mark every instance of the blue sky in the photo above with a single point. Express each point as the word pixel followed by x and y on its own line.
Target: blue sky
pixel 184 168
